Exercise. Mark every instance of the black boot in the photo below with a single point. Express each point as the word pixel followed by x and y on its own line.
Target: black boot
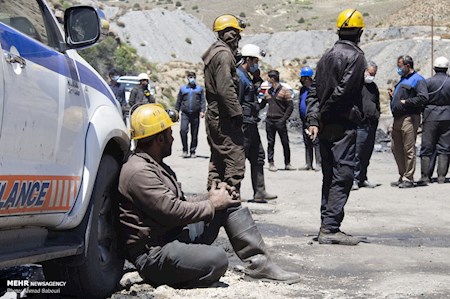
pixel 424 171
pixel 249 246
pixel 259 187
pixel 442 168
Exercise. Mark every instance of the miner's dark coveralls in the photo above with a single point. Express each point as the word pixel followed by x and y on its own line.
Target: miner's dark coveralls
pixel 436 121
pixel 224 116
pixel 168 237
pixel 254 150
pixel 365 137
pixel 334 100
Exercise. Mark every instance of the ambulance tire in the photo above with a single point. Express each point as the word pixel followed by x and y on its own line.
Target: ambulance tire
pixel 98 272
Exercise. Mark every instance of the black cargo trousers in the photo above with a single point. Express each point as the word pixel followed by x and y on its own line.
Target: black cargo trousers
pixel 337 148
pixel 189 259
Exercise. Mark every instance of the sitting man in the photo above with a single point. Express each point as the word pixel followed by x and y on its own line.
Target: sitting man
pixel 168 237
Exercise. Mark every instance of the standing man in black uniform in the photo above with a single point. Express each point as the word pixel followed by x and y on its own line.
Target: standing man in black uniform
pixel 223 118
pixel 140 94
pixel 365 134
pixel 334 103
pixel 436 123
pixel 254 150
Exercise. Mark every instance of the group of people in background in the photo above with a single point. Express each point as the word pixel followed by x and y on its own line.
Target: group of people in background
pixel 168 235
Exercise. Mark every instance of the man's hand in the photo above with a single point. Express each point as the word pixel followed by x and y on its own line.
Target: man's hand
pixel 313 131
pixel 202 114
pixel 222 196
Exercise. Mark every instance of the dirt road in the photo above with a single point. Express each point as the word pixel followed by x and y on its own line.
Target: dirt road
pixel 407 254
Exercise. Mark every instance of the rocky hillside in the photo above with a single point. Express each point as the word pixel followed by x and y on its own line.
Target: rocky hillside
pixel 175 37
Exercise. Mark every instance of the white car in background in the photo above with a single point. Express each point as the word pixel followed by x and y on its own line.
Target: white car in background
pixel 62 143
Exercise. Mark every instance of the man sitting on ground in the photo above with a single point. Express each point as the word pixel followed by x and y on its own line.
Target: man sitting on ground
pixel 168 237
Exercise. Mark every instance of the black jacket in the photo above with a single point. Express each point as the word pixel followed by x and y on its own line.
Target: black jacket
pixel 371 103
pixel 247 97
pixel 191 99
pixel 336 89
pixel 437 108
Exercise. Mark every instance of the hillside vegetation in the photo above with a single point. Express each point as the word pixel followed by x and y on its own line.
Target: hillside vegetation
pixel 172 35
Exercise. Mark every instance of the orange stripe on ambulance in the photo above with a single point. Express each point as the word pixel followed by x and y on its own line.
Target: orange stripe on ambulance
pixel 24 194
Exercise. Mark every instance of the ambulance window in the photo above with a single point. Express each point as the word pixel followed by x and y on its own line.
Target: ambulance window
pixel 25 16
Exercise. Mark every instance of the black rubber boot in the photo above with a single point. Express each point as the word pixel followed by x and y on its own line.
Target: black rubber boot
pixel 308 158
pixel 249 246
pixel 259 187
pixel 442 168
pixel 424 171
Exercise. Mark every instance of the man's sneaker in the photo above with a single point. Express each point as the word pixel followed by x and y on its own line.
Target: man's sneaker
pixel 441 179
pixel 340 238
pixel 355 186
pixel 289 167
pixel 193 155
pixel 406 184
pixel 185 155
pixel 367 184
pixel 272 167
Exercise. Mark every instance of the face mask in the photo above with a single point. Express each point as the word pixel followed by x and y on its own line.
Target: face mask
pixel 400 71
pixel 254 68
pixel 369 79
pixel 115 78
pixel 191 81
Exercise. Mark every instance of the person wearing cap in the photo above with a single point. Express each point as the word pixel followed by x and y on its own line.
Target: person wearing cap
pixel 224 117
pixel 333 112
pixel 191 103
pixel 168 236
pixel 436 123
pixel 118 90
pixel 311 147
pixel 366 131
pixel 249 78
pixel 407 101
pixel 140 94
pixel 281 106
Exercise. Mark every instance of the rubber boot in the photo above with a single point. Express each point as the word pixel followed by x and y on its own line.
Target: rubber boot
pixel 442 168
pixel 249 246
pixel 424 171
pixel 259 187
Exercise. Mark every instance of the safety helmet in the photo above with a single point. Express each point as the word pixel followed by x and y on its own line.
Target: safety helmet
pixel 350 18
pixel 143 76
pixel 306 71
pixel 441 62
pixel 148 120
pixel 250 50
pixel 228 21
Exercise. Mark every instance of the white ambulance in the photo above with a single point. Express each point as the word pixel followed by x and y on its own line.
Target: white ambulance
pixel 62 143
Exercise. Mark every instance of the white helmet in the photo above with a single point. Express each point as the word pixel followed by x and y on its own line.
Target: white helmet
pixel 441 62
pixel 251 50
pixel 143 76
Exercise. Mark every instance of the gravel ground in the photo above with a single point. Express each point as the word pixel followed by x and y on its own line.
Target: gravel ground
pixel 406 254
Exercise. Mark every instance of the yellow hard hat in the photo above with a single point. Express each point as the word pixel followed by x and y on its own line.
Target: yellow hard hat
pixel 228 21
pixel 350 18
pixel 148 120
